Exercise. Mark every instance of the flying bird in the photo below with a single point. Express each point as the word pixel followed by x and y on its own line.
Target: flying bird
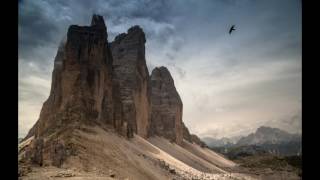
pixel 231 29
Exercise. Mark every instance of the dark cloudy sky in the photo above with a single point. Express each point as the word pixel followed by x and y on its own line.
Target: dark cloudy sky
pixel 229 84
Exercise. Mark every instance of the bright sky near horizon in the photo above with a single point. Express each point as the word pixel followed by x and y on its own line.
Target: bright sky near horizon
pixel 229 84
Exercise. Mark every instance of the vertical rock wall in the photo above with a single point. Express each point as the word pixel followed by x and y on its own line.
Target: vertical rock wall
pixel 132 76
pixel 97 82
pixel 81 86
pixel 166 106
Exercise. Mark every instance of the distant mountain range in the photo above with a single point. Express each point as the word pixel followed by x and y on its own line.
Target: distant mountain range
pixel 265 139
pixel 268 135
pixel 222 142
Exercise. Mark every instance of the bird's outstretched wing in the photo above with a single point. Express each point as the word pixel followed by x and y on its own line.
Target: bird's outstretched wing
pixel 231 29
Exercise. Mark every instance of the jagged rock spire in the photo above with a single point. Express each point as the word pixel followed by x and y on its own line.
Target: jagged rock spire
pixel 166 106
pixel 81 89
pixel 98 21
pixel 131 73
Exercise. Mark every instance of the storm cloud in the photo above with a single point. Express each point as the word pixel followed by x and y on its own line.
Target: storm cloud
pixel 229 84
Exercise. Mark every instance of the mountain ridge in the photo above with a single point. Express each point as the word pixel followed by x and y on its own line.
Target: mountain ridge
pixel 268 135
pixel 264 139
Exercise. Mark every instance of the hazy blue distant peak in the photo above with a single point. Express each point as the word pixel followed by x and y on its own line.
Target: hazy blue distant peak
pixel 268 135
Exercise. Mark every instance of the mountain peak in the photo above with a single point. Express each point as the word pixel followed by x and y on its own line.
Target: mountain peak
pixel 270 135
pixel 137 31
pixel 98 21
pixel 163 69
pixel 134 35
pixel 166 106
pixel 162 74
pixel 135 28
pixel 270 130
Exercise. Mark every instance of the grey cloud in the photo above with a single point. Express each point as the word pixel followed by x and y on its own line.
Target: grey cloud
pixel 179 70
pixel 35 29
pixel 230 131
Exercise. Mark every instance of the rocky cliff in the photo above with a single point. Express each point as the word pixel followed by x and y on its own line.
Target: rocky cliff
pixel 106 84
pixel 81 94
pixel 132 76
pixel 166 106
pixel 81 89
pixel 166 109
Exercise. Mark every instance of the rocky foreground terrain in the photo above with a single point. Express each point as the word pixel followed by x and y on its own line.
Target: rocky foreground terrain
pixel 107 118
pixel 99 153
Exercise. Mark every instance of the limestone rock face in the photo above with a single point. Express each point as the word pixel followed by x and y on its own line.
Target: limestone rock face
pixel 81 89
pixel 132 77
pixel 166 107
